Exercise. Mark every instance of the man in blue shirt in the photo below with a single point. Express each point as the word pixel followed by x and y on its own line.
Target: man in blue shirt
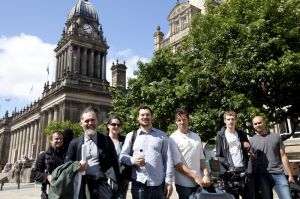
pixel 151 159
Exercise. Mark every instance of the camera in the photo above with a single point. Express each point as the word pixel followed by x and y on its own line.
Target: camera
pixel 234 180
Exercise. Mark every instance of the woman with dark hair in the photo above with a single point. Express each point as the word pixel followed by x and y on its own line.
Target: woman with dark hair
pixel 114 125
pixel 68 137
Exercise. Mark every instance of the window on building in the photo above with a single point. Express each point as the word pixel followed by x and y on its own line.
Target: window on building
pixel 176 26
pixel 184 22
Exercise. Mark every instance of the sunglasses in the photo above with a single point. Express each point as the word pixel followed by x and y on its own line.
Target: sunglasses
pixel 116 124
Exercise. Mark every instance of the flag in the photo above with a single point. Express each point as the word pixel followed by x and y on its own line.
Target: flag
pixel 47 69
pixel 31 89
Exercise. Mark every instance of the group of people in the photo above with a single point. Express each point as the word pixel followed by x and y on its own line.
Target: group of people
pixel 157 160
pixel 262 157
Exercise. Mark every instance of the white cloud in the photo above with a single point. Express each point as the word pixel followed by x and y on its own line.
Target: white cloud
pixel 23 63
pixel 130 59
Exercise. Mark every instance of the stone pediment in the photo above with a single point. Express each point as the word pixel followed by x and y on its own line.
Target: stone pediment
pixel 178 9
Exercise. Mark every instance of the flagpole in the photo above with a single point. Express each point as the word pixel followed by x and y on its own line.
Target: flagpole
pixel 47 72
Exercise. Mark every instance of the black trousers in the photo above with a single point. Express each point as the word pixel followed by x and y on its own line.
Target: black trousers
pixel 97 189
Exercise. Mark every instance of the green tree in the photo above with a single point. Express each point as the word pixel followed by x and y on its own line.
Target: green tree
pixel 244 56
pixel 62 125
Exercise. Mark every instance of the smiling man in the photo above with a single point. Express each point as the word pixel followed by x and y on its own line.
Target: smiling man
pixel 271 161
pixel 151 159
pixel 101 160
pixel 189 161
pixel 48 161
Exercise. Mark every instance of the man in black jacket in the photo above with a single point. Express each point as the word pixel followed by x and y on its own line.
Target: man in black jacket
pixel 48 161
pixel 97 156
pixel 232 148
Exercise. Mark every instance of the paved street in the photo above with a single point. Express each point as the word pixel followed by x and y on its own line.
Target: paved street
pixel 32 191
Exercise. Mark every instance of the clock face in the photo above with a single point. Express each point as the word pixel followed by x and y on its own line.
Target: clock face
pixel 87 28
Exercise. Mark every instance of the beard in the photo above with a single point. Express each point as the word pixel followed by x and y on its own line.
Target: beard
pixel 90 132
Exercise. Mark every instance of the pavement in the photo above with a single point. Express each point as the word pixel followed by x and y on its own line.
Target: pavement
pixel 33 191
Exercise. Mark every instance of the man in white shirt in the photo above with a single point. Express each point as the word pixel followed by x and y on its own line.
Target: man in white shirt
pixel 189 161
pixel 232 147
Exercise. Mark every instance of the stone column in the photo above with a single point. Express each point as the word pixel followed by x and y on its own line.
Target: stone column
pixel 18 146
pixel 35 138
pixel 10 148
pixel 98 65
pixel 104 67
pixel 13 157
pixel 41 131
pixel 84 61
pixel 77 60
pixel 27 137
pixel 62 65
pixel 57 68
pixel 23 141
pixel 39 143
pixel 31 141
pixel 55 114
pixel 50 118
pixel 91 64
pixel 70 58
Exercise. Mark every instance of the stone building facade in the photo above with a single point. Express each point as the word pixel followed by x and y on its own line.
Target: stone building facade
pixel 179 20
pixel 80 80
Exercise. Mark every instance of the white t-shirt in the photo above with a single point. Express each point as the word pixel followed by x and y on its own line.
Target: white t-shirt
pixel 187 149
pixel 235 148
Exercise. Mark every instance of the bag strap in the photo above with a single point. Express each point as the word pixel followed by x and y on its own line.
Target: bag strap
pixel 134 133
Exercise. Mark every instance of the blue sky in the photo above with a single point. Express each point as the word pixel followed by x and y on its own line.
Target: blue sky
pixel 30 30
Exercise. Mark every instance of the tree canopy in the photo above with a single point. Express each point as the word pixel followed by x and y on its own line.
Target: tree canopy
pixel 242 55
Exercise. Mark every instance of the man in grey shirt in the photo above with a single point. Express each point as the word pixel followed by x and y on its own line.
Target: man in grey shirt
pixel 151 159
pixel 270 159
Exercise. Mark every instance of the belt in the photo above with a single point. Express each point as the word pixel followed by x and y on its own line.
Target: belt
pixel 92 177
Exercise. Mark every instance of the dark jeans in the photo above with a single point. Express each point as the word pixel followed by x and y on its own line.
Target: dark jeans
pixel 185 192
pixel 142 191
pixel 122 190
pixel 97 189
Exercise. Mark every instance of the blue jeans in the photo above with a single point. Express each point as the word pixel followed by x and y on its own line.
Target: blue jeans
pixel 266 182
pixel 184 192
pixel 142 191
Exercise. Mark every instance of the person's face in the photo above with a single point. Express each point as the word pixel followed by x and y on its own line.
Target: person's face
pixel 114 126
pixel 182 122
pixel 259 125
pixel 57 140
pixel 89 123
pixel 145 118
pixel 230 121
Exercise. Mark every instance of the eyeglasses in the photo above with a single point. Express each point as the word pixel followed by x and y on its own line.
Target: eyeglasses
pixel 115 124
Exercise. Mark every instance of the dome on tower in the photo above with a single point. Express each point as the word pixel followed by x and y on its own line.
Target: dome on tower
pixel 85 9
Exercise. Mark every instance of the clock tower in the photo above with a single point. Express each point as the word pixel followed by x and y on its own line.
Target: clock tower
pixel 81 64
pixel 82 49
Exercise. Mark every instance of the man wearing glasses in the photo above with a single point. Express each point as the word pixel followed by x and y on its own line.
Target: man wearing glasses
pixel 97 156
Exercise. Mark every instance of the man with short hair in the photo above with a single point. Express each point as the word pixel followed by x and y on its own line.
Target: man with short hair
pixel 189 161
pixel 232 147
pixel 48 161
pixel 152 170
pixel 270 160
pixel 101 160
